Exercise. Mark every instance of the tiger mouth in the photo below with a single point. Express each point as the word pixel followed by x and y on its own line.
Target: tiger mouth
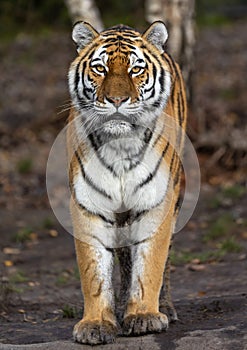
pixel 118 118
pixel 117 124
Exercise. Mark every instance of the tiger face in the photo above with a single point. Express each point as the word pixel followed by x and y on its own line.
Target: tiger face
pixel 119 81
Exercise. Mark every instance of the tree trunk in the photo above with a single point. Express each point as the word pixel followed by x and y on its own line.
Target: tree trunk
pixel 85 10
pixel 178 15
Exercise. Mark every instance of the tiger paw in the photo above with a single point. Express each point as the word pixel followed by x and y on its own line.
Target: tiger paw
pixel 138 324
pixel 93 333
pixel 169 310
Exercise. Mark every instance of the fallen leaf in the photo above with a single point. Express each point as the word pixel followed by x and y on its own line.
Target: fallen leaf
pixel 8 263
pixel 242 257
pixel 33 284
pixel 215 180
pixel 195 267
pixel 21 311
pixel 11 251
pixel 34 236
pixel 195 261
pixel 201 293
pixel 53 233
pixel 192 225
pixel 203 224
pixel 244 235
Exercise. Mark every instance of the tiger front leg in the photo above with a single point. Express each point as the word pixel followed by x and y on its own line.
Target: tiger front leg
pixel 142 314
pixel 166 304
pixel 98 325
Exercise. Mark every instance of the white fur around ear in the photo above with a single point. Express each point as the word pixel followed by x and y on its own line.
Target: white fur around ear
pixel 83 33
pixel 157 35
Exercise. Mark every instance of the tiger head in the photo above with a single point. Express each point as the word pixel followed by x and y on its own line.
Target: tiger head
pixel 119 79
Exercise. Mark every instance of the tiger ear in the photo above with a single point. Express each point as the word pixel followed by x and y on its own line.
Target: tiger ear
pixel 157 35
pixel 82 34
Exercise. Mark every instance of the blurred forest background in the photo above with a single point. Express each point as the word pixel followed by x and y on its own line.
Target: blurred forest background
pixel 35 52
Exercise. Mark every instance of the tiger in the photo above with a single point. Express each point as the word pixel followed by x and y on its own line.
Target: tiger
pixel 125 139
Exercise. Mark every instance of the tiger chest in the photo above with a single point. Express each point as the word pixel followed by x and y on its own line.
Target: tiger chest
pixel 111 184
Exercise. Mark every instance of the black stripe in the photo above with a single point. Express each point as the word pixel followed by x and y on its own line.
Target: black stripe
pixel 78 74
pixel 178 204
pixel 180 118
pixel 123 218
pixel 162 80
pixel 177 176
pixel 149 89
pixel 172 161
pixel 77 78
pixel 173 64
pixel 147 137
pixel 156 104
pixel 159 136
pixel 88 180
pixel 83 85
pixel 151 175
pixel 89 211
pixel 93 140
pixel 141 213
pixel 173 97
pixel 146 56
pixel 167 58
pixel 152 87
pixel 182 101
pixel 123 29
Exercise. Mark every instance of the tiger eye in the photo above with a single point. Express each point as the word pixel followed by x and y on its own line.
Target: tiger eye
pixel 100 68
pixel 136 70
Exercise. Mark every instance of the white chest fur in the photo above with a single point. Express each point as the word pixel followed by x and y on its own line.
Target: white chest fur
pixel 109 188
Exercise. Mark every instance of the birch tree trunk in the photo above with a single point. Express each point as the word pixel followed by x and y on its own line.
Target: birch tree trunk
pixel 85 10
pixel 178 15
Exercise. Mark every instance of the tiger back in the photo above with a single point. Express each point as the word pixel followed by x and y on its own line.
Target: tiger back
pixel 125 139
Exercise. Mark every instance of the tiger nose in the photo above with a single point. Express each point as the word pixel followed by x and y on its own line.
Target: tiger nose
pixel 117 100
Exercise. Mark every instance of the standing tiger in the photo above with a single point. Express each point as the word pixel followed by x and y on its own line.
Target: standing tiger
pixel 125 138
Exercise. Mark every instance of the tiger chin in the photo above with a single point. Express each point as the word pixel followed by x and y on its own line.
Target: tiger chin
pixel 125 139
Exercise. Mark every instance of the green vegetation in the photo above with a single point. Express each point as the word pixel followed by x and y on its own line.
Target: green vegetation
pixel 32 16
pixel 70 311
pixel 215 202
pixel 185 257
pixel 23 235
pixel 235 191
pixel 24 166
pixel 76 273
pixel 63 278
pixel 213 13
pixel 7 291
pixel 213 20
pixel 43 16
pixel 48 223
pixel 230 245
pixel 219 227
pixel 228 94
pixel 220 237
pixel 18 277
pixel 232 193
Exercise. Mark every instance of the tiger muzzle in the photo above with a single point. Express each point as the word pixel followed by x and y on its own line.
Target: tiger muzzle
pixel 116 100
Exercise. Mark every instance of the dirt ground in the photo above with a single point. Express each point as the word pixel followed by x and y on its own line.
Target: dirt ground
pixel 40 297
